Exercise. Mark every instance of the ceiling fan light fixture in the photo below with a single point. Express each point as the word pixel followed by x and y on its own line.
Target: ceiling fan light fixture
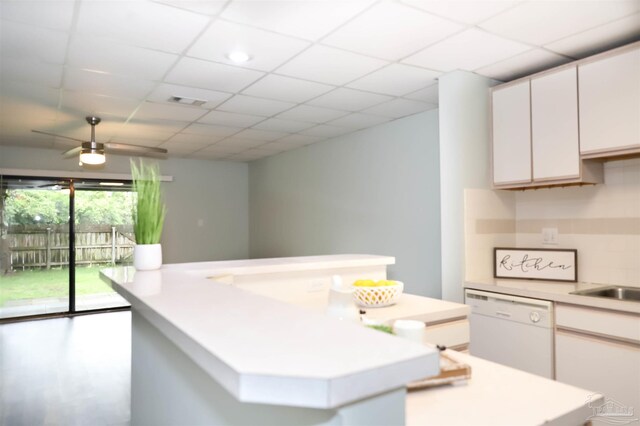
pixel 92 153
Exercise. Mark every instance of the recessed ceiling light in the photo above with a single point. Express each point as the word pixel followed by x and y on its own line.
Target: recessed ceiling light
pixel 238 56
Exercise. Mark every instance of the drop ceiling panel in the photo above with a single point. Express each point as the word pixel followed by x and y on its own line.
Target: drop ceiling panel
pixel 599 39
pixel 280 146
pixel 235 144
pixel 255 106
pixel 181 147
pixel 209 75
pixel 266 49
pixel 155 131
pixel 541 22
pixel 280 125
pixel 37 73
pixel 358 121
pixel 349 99
pixel 325 131
pixel 300 140
pixel 428 94
pixel 468 51
pixel 208 7
pixel 164 91
pixel 193 139
pixel 329 65
pixel 28 100
pixel 210 130
pixel 305 19
pixel 465 11
pixel 83 104
pixel 56 15
pixel 286 89
pixel 396 80
pixel 27 111
pixel 156 111
pixel 137 141
pixel 141 23
pixel 110 57
pixel 523 64
pixel 391 31
pixel 399 108
pixel 312 114
pixel 260 135
pixel 28 42
pixel 106 84
pixel 230 119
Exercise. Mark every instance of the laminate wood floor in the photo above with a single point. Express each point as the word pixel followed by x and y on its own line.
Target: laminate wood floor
pixel 66 371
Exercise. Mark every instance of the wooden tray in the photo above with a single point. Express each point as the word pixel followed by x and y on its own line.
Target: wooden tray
pixel 450 371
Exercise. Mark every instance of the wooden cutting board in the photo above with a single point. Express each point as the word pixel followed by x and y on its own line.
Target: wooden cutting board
pixel 450 371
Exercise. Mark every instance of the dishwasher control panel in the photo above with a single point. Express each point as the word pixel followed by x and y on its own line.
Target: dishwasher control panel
pixel 535 312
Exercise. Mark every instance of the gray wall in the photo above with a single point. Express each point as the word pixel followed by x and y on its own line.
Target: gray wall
pixel 375 191
pixel 216 192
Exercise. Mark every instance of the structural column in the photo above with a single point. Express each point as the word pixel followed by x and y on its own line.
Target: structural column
pixel 464 163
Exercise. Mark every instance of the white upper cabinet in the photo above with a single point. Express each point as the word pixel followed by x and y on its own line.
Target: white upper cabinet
pixel 511 134
pixel 554 125
pixel 609 91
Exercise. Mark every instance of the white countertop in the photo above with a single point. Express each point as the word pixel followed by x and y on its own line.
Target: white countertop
pixel 498 395
pixel 409 306
pixel 266 351
pixel 553 291
pixel 280 264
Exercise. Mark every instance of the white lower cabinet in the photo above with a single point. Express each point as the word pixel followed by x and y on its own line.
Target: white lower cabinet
pixel 587 356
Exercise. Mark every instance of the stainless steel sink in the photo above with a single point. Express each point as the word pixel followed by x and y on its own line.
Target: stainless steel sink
pixel 613 292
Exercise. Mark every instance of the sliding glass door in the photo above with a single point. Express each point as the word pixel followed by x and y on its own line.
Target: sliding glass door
pixel 104 237
pixel 55 236
pixel 34 247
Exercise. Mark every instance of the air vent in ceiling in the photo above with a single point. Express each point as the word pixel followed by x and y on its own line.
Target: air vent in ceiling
pixel 187 101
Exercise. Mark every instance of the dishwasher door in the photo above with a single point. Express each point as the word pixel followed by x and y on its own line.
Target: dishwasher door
pixel 513 331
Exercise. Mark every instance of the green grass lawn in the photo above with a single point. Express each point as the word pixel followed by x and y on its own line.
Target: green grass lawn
pixel 42 283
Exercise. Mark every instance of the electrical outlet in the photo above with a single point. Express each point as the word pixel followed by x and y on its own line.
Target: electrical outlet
pixel 550 236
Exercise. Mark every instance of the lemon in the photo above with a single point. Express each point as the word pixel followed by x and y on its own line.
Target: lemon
pixel 385 283
pixel 364 283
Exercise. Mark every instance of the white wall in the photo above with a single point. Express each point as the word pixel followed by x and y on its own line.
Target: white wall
pixel 375 191
pixel 602 222
pixel 464 164
pixel 216 192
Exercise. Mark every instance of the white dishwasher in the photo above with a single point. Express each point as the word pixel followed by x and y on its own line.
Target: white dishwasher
pixel 510 330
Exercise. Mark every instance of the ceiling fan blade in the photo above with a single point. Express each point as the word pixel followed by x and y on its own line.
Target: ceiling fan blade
pixel 72 152
pixel 122 148
pixel 57 136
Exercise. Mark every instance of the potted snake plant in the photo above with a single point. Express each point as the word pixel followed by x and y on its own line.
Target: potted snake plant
pixel 148 216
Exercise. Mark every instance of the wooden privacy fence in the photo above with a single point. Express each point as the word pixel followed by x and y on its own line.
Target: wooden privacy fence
pixel 38 246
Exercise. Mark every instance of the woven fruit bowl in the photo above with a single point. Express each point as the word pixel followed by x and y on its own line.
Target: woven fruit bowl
pixel 377 296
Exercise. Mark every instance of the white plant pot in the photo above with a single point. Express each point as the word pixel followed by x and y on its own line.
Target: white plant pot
pixel 147 257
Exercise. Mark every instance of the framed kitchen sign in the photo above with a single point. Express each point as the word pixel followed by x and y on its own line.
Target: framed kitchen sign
pixel 536 264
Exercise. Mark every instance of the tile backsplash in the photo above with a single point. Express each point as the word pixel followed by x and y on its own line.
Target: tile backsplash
pixel 601 221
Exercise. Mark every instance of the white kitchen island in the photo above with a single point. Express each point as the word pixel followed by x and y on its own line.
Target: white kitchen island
pixel 210 352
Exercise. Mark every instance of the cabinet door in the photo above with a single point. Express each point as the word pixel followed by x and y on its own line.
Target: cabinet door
pixel 603 366
pixel 554 126
pixel 610 103
pixel 511 116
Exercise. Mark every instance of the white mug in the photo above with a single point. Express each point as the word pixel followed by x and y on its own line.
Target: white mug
pixel 410 330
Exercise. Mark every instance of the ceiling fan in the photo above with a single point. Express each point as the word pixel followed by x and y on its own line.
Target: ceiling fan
pixel 92 152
